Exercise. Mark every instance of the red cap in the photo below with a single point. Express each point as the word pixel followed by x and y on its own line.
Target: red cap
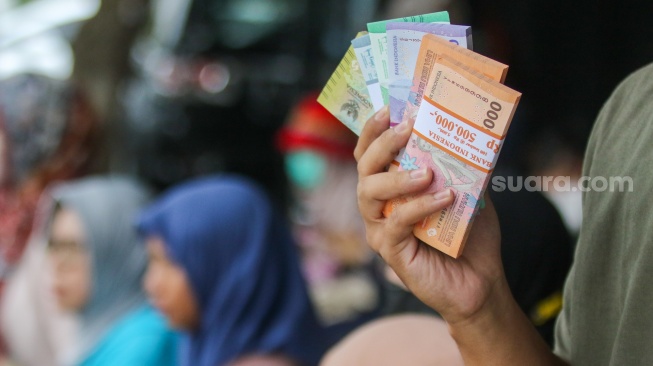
pixel 311 126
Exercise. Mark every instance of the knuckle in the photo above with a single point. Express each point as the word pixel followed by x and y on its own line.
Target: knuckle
pixel 399 179
pixel 361 190
pixel 372 241
pixel 358 152
pixel 360 168
pixel 396 218
pixel 388 136
pixel 421 206
pixel 395 138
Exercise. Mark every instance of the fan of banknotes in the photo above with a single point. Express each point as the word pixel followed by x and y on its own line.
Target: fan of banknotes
pixel 424 68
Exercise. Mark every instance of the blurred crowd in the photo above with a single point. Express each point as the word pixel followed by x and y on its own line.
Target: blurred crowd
pixel 171 193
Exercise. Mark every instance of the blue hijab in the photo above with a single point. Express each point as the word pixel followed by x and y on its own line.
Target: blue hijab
pixel 243 269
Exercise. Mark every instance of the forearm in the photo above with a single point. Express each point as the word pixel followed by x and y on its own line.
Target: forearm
pixel 501 334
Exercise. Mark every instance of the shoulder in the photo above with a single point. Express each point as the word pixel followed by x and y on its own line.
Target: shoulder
pixel 641 76
pixel 144 325
pixel 625 117
pixel 632 89
pixel 139 338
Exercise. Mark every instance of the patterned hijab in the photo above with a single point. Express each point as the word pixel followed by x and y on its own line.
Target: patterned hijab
pixel 241 263
pixel 47 134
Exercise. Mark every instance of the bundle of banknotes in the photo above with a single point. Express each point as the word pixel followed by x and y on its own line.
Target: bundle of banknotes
pixel 424 68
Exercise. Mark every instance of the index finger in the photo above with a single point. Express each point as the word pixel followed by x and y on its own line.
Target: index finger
pixel 373 128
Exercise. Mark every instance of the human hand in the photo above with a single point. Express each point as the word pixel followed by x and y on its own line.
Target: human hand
pixel 456 288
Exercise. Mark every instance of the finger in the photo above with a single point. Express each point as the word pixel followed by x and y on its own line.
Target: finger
pixel 415 210
pixel 384 149
pixel 375 190
pixel 487 202
pixel 372 129
pixel 397 230
pixel 485 231
pixel 488 213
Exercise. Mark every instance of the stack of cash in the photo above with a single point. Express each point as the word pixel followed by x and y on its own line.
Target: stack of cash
pixel 425 70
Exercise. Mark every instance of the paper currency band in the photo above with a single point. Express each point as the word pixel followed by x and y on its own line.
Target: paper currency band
pixel 462 119
pixel 479 153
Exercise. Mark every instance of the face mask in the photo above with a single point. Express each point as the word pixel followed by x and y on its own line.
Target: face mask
pixel 305 168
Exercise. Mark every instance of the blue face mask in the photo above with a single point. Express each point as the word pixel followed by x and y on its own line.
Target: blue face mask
pixel 305 168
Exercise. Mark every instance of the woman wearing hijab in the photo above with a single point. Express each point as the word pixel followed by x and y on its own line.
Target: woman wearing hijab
pixel 319 160
pixel 97 263
pixel 223 269
pixel 48 133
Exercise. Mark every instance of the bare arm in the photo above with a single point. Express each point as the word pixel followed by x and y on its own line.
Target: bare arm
pixel 471 292
pixel 501 334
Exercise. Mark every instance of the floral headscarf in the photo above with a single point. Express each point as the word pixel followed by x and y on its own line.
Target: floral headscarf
pixel 47 134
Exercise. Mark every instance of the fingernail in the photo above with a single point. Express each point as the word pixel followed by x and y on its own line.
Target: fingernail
pixel 401 128
pixel 417 173
pixel 442 195
pixel 381 114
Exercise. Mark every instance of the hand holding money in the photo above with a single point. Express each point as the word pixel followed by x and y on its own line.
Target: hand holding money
pixel 458 132
pixel 461 126
pixel 471 278
pixel 471 292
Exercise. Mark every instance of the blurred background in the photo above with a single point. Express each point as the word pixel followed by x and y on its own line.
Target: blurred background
pixel 186 87
pixel 183 88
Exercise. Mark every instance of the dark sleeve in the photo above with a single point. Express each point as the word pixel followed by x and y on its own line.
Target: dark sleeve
pixel 536 249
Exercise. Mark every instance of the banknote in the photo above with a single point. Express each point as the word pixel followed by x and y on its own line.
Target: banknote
pixel 363 49
pixel 345 93
pixel 404 41
pixel 458 133
pixel 379 41
pixel 433 46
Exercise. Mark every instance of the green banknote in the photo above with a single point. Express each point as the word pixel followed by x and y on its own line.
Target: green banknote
pixel 363 50
pixel 345 95
pixel 379 42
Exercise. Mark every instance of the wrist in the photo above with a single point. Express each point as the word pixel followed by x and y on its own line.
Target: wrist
pixel 481 337
pixel 499 333
pixel 498 305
